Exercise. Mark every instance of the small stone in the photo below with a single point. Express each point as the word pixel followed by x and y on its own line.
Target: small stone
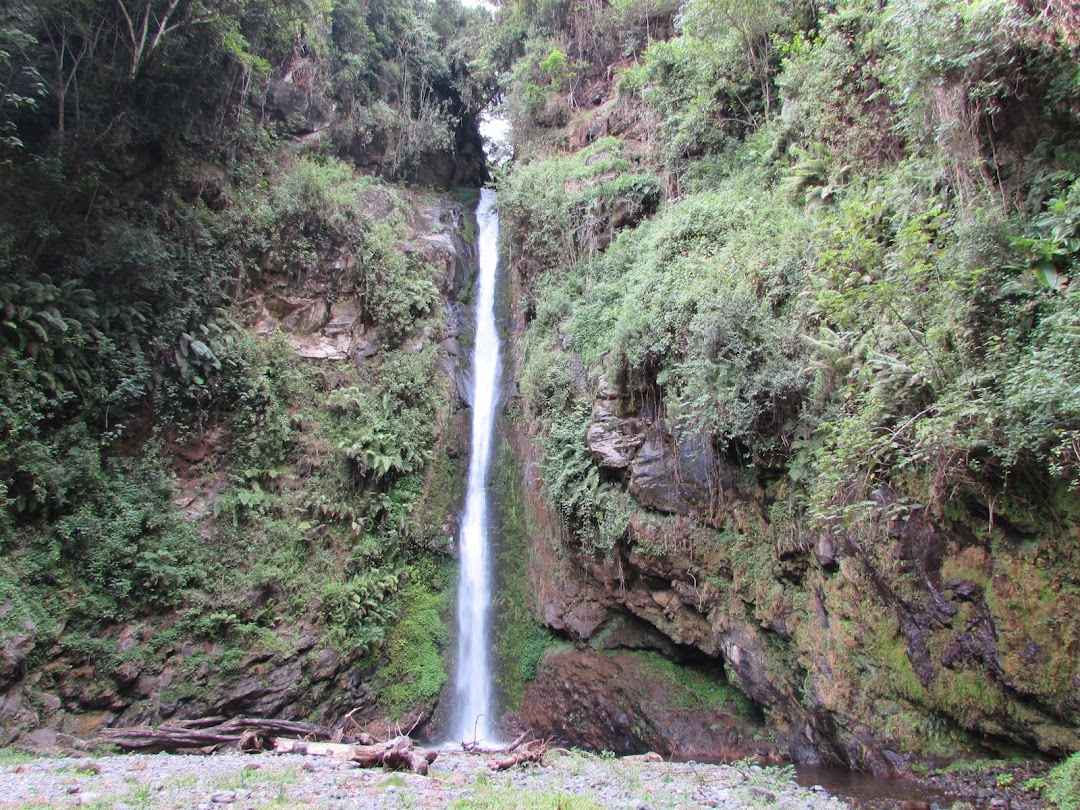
pixel 241 793
pixel 339 794
pixel 761 793
pixel 73 789
pixel 819 789
pixel 224 797
pixel 159 786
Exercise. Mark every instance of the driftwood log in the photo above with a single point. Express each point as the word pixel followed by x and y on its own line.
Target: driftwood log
pixel 250 734
pixel 208 734
pixel 398 754
pixel 476 747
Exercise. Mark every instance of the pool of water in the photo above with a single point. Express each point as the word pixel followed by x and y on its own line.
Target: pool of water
pixel 865 790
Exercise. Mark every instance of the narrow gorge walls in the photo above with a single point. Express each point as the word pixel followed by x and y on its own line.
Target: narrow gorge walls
pixel 794 394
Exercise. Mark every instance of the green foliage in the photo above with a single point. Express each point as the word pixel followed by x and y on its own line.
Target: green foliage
pixel 23 87
pixel 521 639
pixel 1053 243
pixel 712 86
pixel 414 671
pixel 1039 417
pixel 565 208
pixel 113 536
pixel 962 361
pixel 1063 785
pixel 388 430
pixel 11 757
pixel 696 295
pixel 692 688
pixel 952 68
pixel 554 64
pixel 715 285
pixel 310 188
pixel 395 289
pixel 597 511
pixel 357 610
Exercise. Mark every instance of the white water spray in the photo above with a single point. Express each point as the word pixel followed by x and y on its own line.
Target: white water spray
pixel 473 706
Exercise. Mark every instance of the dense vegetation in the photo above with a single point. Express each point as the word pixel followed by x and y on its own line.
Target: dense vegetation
pixel 837 243
pixel 166 168
pixel 908 296
pixel 829 247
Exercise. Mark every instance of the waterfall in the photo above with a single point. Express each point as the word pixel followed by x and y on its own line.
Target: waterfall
pixel 473 706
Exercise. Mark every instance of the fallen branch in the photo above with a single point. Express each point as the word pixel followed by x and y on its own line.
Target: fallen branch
pixel 522 756
pixel 360 735
pixel 313 748
pixel 507 749
pixel 149 740
pixel 650 756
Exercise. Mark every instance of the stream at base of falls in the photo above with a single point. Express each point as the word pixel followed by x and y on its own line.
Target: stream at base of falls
pixel 865 790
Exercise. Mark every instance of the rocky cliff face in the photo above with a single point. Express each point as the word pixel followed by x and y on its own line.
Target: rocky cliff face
pixel 924 640
pixel 56 686
pixel 306 114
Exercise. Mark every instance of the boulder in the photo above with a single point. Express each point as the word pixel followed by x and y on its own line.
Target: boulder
pixel 308 318
pixel 296 108
pixel 677 477
pixel 326 665
pixel 262 695
pixel 825 551
pixel 322 350
pixel 344 319
pixel 16 648
pixel 627 703
pixel 613 441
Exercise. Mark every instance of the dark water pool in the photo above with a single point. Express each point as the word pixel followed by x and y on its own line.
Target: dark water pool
pixel 871 792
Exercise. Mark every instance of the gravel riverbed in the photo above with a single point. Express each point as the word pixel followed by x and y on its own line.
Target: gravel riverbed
pixel 567 781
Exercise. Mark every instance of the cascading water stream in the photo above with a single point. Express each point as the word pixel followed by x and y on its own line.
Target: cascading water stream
pixel 473 705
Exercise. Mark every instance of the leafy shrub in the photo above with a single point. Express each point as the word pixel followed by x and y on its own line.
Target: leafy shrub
pixel 357 610
pixel 1063 784
pixel 395 288
pixel 565 208
pixel 114 530
pixel 414 669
